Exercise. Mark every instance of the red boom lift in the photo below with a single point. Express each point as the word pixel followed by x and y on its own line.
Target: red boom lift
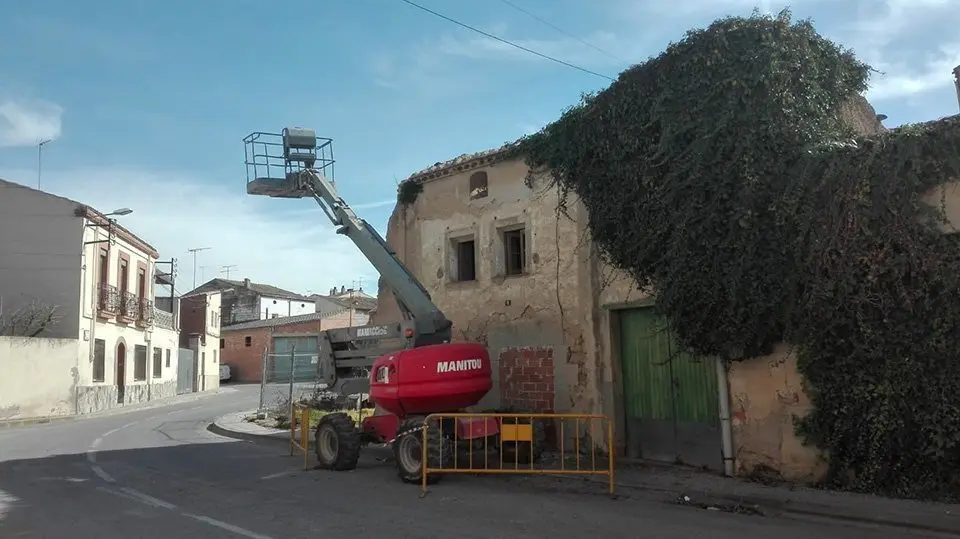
pixel 425 373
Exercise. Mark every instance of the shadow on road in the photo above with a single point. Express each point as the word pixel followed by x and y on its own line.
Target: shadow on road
pixel 227 488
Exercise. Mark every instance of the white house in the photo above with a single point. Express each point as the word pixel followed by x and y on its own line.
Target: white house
pixel 246 301
pixel 200 332
pixel 79 331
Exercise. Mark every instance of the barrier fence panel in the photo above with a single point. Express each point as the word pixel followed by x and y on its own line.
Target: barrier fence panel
pixel 287 378
pixel 508 443
pixel 300 421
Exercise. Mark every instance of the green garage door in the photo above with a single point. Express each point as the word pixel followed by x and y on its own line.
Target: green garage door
pixel 300 353
pixel 670 398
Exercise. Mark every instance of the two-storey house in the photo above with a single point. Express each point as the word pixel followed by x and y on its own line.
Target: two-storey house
pixel 246 301
pixel 200 332
pixel 100 342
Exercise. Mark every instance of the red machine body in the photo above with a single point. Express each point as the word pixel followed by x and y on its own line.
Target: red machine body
pixel 431 379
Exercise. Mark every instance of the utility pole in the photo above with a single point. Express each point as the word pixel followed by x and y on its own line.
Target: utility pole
pixel 227 268
pixel 194 252
pixel 40 158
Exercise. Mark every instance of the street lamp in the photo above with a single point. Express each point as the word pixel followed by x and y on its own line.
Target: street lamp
pixel 40 158
pixel 109 224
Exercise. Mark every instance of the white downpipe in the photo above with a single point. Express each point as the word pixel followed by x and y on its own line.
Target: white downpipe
pixel 726 432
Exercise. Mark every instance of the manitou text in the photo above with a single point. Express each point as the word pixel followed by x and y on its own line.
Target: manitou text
pixel 459 365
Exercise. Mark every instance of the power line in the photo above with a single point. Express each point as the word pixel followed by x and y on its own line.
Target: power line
pixel 506 42
pixel 562 31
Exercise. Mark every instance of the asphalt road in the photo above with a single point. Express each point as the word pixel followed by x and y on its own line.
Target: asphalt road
pixel 158 473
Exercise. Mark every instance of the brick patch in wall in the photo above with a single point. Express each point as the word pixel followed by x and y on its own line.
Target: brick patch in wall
pixel 527 379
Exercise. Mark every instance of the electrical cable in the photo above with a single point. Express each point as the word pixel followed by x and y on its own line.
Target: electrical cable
pixel 562 31
pixel 507 42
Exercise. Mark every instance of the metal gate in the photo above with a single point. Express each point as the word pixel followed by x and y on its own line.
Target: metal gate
pixel 304 362
pixel 670 398
pixel 186 371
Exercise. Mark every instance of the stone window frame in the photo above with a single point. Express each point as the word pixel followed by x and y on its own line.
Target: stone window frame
pixel 452 239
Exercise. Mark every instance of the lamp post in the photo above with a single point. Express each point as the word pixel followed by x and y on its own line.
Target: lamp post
pixel 40 158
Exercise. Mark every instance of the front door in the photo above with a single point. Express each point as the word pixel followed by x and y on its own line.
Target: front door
pixel 121 370
pixel 671 398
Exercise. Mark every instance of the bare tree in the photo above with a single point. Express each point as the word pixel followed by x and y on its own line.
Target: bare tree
pixel 30 320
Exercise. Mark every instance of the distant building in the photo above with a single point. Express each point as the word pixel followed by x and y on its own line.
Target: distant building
pixel 246 301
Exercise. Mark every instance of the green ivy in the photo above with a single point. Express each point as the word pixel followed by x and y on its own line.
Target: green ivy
pixel 408 191
pixel 722 173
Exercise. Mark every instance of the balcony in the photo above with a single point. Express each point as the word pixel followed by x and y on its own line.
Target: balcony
pixel 145 313
pixel 162 319
pixel 108 301
pixel 129 307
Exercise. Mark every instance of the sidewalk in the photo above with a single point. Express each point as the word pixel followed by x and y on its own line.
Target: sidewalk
pixel 675 484
pixel 157 403
pixel 708 489
pixel 234 426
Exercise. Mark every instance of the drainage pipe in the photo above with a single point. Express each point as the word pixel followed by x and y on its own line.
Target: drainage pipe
pixel 726 432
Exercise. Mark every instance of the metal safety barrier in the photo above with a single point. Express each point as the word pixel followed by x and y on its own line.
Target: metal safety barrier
pixel 300 418
pixel 514 443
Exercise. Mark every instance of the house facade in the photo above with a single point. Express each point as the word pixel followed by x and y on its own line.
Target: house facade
pixel 108 344
pixel 245 301
pixel 566 333
pixel 200 332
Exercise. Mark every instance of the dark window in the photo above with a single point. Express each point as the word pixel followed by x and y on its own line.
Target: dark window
pixel 139 362
pixel 478 185
pixel 99 359
pixel 466 261
pixel 104 265
pixel 246 341
pixel 157 362
pixel 168 359
pixel 515 251
pixel 221 344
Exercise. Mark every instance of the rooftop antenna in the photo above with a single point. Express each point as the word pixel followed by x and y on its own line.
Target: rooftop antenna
pixel 226 269
pixel 194 252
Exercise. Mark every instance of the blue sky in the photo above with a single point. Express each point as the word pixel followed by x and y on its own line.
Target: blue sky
pixel 147 102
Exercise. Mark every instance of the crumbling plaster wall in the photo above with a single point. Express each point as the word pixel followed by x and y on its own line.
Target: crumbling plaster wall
pixel 545 308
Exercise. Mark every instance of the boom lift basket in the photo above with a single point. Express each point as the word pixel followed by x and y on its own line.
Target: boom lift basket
pixel 273 161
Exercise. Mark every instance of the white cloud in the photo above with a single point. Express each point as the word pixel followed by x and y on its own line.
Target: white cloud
pixel 281 242
pixel 904 80
pixel 28 122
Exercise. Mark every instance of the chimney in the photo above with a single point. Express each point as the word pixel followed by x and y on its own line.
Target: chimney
pixel 246 282
pixel 956 81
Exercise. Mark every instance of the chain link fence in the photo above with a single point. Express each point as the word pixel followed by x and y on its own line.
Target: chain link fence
pixel 287 378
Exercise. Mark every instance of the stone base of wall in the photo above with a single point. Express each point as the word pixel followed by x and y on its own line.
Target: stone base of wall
pixel 99 398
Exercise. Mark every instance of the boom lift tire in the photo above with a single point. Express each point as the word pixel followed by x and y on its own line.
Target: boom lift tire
pixel 520 452
pixel 408 450
pixel 337 442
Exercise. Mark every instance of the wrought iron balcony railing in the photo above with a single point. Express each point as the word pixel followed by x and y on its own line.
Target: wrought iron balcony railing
pixel 145 313
pixel 129 306
pixel 108 300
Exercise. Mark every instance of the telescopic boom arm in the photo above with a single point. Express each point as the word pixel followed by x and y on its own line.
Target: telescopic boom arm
pixel 303 177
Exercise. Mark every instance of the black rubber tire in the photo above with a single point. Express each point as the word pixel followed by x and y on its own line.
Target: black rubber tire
pixel 345 450
pixel 438 451
pixel 519 452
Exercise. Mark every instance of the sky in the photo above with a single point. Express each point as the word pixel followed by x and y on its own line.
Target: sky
pixel 146 103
